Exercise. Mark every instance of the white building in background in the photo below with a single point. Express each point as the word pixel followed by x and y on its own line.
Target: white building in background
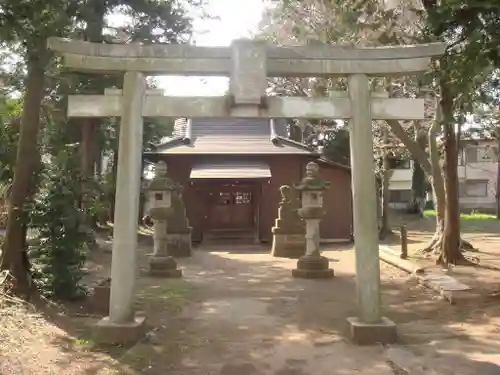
pixel 477 173
pixel 400 185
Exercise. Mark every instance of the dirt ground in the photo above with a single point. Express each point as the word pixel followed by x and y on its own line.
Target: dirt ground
pixel 237 311
pixel 484 235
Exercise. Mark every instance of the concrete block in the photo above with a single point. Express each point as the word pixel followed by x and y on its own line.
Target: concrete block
pixel 107 332
pixel 384 332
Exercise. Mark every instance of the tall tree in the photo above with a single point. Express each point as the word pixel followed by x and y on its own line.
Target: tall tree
pixel 26 24
pixel 24 27
pixel 471 30
pixel 145 21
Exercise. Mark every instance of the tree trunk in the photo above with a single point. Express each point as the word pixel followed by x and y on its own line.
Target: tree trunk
pixel 497 190
pixel 98 162
pixel 88 147
pixel 87 150
pixel 450 250
pixel 431 166
pixel 114 170
pixel 430 163
pixel 418 180
pixel 94 17
pixel 438 189
pixel 414 149
pixel 378 186
pixel 418 190
pixel 14 257
pixel 142 197
pixel 385 227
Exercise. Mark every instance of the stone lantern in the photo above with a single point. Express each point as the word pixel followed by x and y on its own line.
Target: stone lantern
pixel 312 265
pixel 159 194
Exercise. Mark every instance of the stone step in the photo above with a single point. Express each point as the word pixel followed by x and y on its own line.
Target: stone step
pixel 236 237
pixel 230 234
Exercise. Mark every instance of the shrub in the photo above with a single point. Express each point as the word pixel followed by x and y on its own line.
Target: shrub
pixel 60 252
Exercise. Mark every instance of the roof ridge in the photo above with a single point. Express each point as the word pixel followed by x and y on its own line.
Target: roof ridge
pixel 267 133
pixel 295 143
pixel 324 160
pixel 171 142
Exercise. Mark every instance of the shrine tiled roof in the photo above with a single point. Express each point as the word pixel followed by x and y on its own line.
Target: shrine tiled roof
pixel 231 136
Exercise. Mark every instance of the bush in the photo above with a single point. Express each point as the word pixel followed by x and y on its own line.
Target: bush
pixel 60 252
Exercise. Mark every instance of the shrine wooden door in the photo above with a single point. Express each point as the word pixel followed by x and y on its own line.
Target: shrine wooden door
pixel 231 208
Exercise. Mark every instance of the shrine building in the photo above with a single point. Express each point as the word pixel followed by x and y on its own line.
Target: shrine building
pixel 231 170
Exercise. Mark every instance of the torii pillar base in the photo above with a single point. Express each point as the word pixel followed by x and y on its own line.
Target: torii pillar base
pixel 111 333
pixel 383 332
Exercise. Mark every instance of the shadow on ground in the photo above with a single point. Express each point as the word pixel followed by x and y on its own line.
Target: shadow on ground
pixel 239 311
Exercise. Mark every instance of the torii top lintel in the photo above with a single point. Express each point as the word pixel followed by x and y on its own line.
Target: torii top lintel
pixel 321 60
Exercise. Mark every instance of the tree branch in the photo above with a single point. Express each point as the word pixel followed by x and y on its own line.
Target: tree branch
pixel 413 148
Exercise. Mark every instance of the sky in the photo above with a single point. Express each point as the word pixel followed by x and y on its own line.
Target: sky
pixel 236 19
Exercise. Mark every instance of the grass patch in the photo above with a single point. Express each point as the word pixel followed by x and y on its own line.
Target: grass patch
pixel 473 216
pixel 174 294
pixel 84 344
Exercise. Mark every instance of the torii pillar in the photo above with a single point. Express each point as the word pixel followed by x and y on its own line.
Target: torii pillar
pixel 122 325
pixel 370 326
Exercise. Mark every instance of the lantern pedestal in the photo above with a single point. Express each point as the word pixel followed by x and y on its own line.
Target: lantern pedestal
pixel 313 267
pixel 164 266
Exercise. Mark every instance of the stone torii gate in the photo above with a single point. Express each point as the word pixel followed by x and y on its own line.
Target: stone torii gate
pixel 248 64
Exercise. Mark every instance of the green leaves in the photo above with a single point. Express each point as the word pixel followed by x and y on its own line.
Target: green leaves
pixel 31 21
pixel 24 26
pixel 60 251
pixel 10 111
pixel 472 30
